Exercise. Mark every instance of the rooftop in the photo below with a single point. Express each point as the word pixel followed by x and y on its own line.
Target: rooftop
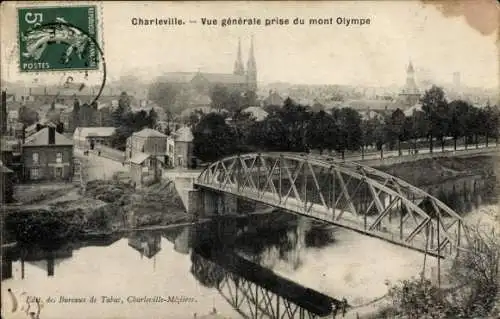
pixel 41 138
pixel 104 131
pixel 147 132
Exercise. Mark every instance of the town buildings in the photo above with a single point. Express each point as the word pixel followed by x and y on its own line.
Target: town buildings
pixel 147 141
pixel 196 87
pixel 47 155
pixel 88 138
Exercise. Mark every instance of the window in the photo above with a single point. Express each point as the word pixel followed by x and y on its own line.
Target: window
pixel 35 173
pixel 59 158
pixel 35 158
pixel 59 171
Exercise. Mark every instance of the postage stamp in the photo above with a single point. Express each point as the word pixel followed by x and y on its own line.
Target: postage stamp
pixel 58 38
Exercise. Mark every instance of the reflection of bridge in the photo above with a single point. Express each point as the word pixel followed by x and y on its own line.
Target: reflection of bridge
pixel 256 292
pixel 346 194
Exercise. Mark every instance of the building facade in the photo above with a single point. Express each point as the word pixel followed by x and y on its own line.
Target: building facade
pixel 180 148
pixel 147 141
pixel 90 137
pixel 47 155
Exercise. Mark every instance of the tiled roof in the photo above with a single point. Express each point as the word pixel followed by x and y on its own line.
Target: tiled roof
pixel 41 138
pixel 147 132
pixel 139 158
pixel 82 132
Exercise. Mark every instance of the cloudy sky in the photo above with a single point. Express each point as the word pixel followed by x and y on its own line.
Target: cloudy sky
pixel 437 40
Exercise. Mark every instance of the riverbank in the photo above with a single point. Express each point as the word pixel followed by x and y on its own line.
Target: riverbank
pixel 62 212
pixel 438 170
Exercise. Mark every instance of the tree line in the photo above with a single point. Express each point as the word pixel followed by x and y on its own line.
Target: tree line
pixel 295 127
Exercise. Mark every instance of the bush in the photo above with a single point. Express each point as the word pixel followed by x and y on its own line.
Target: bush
pixel 474 276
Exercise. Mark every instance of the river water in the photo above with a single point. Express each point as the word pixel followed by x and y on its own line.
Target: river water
pixel 106 277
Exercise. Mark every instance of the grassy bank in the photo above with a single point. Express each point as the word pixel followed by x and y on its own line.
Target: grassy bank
pixel 439 170
pixel 105 207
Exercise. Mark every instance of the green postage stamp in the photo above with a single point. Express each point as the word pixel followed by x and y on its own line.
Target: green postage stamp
pixel 58 38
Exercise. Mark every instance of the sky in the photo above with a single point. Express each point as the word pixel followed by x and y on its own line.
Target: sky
pixel 438 42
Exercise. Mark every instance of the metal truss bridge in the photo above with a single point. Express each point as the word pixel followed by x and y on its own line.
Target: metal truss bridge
pixel 345 194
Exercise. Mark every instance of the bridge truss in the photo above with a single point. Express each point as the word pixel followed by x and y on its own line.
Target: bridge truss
pixel 346 194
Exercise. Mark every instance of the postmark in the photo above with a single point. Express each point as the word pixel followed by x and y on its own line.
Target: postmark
pixel 58 38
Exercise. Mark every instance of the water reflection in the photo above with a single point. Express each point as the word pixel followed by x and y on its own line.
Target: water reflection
pixel 222 256
pixel 256 292
pixel 147 244
pixel 466 194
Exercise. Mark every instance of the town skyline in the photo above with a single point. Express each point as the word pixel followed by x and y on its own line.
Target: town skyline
pixel 369 55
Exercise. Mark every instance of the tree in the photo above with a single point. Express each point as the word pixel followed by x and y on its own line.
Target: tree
pixel 472 126
pixel 270 134
pixel 458 120
pixel 213 138
pixel 493 123
pixel 322 132
pixel 152 118
pixel 473 276
pixel 27 116
pixel 165 95
pixel 242 123
pixel 348 122
pixel 395 127
pixel 435 107
pixel 220 97
pixel 3 113
pixel 295 119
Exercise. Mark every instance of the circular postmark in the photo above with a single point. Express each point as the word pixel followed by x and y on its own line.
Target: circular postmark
pixel 74 48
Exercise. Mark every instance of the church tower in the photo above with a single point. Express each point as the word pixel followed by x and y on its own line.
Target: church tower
pixel 411 86
pixel 239 69
pixel 410 93
pixel 251 69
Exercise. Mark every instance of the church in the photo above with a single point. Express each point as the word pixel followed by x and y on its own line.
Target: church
pixel 198 85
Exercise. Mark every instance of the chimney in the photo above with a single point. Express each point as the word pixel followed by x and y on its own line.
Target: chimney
pixel 52 135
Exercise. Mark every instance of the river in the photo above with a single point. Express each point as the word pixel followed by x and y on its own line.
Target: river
pixel 119 271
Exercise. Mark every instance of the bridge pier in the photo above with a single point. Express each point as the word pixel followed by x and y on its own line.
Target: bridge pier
pixel 206 203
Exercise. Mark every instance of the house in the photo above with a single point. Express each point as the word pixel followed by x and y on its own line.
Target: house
pixel 47 155
pixel 147 141
pixel 143 166
pixel 89 137
pixel 180 148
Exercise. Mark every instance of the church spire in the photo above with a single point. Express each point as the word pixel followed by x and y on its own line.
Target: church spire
pixel 251 69
pixel 239 69
pixel 410 68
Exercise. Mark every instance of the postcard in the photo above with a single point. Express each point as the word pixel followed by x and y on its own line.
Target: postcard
pixel 308 159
